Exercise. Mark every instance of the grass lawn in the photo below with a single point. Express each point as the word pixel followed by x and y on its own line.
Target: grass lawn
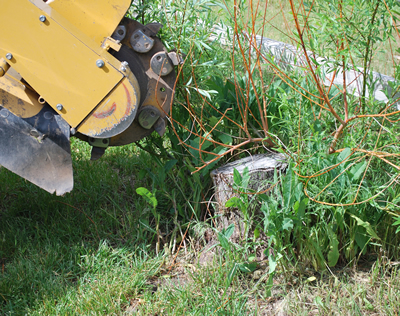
pixel 91 253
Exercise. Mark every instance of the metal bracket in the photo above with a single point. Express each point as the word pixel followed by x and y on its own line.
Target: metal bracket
pixel 141 43
pixel 154 27
pixel 175 58
pixel 161 64
pixel 111 43
pixel 148 116
pixel 119 33
pixel 4 66
pixel 99 142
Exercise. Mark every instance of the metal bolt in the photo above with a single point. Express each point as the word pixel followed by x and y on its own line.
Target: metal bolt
pixel 34 132
pixel 124 64
pixel 4 112
pixel 9 56
pixel 100 63
pixel 73 131
pixel 48 115
pixel 42 18
pixel 59 106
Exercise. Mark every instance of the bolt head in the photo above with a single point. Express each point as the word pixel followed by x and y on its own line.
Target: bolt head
pixel 4 112
pixel 124 64
pixel 9 56
pixel 59 106
pixel 73 131
pixel 100 63
pixel 42 18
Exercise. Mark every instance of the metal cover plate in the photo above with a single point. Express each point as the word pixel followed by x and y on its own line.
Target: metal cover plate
pixel 55 62
pixel 97 19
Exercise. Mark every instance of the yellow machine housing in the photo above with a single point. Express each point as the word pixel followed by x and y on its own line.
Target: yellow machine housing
pixel 76 68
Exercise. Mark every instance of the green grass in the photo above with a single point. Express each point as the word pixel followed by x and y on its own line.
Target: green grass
pixel 87 253
pixel 91 251
pixel 348 292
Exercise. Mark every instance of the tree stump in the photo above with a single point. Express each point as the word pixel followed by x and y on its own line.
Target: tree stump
pixel 261 171
pixel 261 167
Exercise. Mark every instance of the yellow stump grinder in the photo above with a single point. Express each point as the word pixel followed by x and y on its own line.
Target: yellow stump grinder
pixel 77 68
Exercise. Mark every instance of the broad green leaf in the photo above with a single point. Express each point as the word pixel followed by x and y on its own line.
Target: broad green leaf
pixel 223 241
pixel 231 274
pixel 299 191
pixel 361 237
pixel 237 178
pixel 234 202
pixel 397 223
pixel 251 258
pixel 333 253
pixel 320 257
pixel 300 208
pixel 169 165
pixel 367 226
pixel 287 224
pixel 272 264
pixel 247 267
pixel 357 170
pixel 245 178
pixel 214 121
pixel 225 138
pixel 288 189
pixel 229 231
pixel 343 155
pixel 256 233
pixel 148 196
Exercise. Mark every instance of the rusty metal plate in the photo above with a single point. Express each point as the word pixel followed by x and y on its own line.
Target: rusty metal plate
pixel 155 91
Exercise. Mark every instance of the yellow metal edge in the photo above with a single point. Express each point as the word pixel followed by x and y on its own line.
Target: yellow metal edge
pixel 18 98
pixel 117 111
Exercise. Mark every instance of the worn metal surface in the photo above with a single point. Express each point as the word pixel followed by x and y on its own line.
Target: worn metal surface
pixel 141 42
pixel 119 33
pixel 155 90
pixel 4 66
pixel 97 19
pixel 37 149
pixel 116 112
pixel 148 116
pixel 18 98
pixel 161 64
